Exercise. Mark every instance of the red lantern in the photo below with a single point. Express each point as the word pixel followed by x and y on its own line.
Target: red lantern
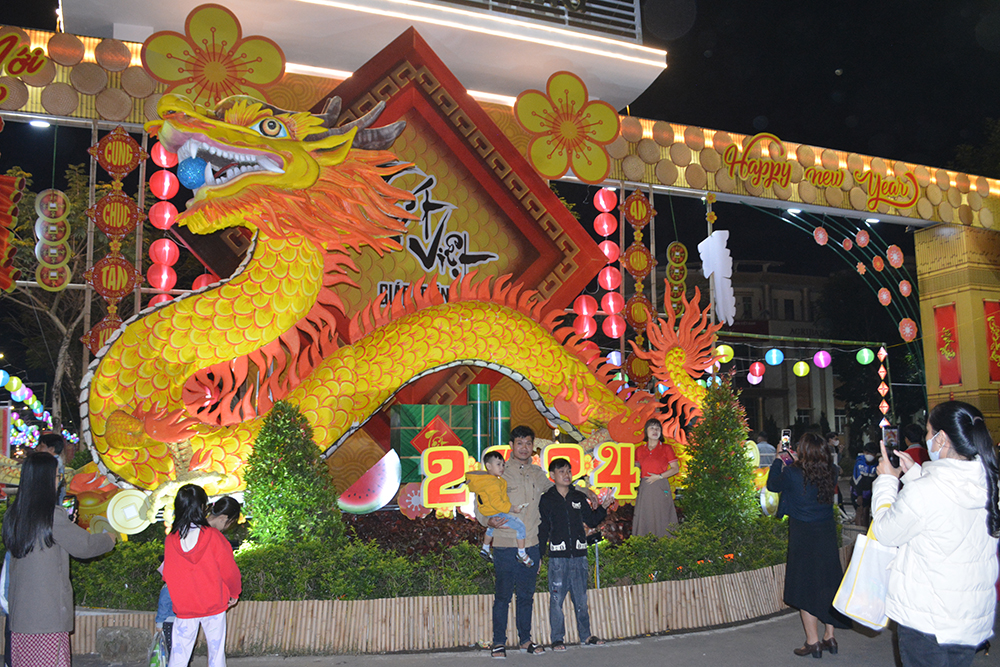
pixel 204 280
pixel 613 326
pixel 161 276
pixel 610 250
pixel 584 326
pixel 164 251
pixel 585 305
pixel 163 214
pixel 609 278
pixel 605 224
pixel 757 368
pixel 605 200
pixel 164 184
pixel 162 157
pixel 159 298
pixel 612 303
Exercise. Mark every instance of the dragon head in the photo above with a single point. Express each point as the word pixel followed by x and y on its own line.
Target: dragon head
pixel 257 160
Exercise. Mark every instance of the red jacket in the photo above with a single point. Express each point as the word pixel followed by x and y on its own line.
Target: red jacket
pixel 201 581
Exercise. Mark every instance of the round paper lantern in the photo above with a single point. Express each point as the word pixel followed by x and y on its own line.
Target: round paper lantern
pixel 757 368
pixel 774 356
pixel 801 369
pixel 754 379
pixel 164 251
pixel 605 200
pixel 191 173
pixel 865 356
pixel 27 395
pixel 13 384
pixel 585 305
pixel 161 276
pixel 162 157
pixel 610 250
pixel 612 302
pixel 206 279
pixel 613 326
pixel 163 214
pixel 822 359
pixel 609 278
pixel 164 184
pixel 726 352
pixel 584 326
pixel 605 224
pixel 615 357
pixel 159 298
pixel 4 376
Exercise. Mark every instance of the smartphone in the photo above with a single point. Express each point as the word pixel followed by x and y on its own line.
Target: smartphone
pixel 890 436
pixel 69 504
pixel 786 438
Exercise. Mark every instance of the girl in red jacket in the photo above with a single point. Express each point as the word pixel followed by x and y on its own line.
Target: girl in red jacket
pixel 202 578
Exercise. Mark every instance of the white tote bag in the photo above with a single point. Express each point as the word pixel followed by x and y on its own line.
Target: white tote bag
pixel 862 592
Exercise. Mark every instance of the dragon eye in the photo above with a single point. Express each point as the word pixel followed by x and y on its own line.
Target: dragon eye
pixel 271 127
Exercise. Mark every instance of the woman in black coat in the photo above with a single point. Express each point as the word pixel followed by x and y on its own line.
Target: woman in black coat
pixel 806 480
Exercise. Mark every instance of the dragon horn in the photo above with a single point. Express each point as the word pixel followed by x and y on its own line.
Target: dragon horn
pixel 367 138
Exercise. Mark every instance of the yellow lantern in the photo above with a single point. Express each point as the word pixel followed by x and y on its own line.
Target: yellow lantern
pixel 801 368
pixel 726 352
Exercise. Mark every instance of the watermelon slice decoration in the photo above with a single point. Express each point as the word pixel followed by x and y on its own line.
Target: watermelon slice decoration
pixel 375 488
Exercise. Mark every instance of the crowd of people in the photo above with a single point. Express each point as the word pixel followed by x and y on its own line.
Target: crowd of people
pixel 938 506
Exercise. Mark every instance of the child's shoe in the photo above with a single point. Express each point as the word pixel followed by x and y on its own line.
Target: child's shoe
pixel 485 554
pixel 525 560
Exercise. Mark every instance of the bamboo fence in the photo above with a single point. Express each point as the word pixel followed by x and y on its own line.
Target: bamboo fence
pixel 423 623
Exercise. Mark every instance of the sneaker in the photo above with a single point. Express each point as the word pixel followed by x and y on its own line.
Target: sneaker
pixel 525 560
pixel 486 555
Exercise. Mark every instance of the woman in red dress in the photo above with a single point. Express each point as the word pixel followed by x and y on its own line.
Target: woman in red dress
pixel 655 513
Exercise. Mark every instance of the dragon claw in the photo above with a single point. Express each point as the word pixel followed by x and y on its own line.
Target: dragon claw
pixel 165 425
pixel 575 408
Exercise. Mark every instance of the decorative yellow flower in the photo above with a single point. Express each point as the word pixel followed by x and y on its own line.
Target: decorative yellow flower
pixel 711 216
pixel 570 130
pixel 212 60
pixel 710 197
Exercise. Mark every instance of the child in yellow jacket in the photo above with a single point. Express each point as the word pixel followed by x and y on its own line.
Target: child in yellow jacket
pixel 491 490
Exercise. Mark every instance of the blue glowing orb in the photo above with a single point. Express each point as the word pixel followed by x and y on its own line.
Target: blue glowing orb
pixel 191 173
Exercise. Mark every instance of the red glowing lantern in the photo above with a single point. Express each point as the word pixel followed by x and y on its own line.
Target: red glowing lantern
pixel 605 200
pixel 206 279
pixel 164 251
pixel 164 184
pixel 584 326
pixel 612 303
pixel 162 157
pixel 163 214
pixel 605 224
pixel 613 326
pixel 159 298
pixel 757 368
pixel 609 278
pixel 610 250
pixel 161 276
pixel 585 305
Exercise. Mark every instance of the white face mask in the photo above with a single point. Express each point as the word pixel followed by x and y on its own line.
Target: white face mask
pixel 869 458
pixel 933 454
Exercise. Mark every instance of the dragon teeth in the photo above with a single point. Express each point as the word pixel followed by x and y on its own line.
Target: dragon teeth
pixel 269 165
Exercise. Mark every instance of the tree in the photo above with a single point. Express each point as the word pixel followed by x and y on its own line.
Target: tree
pixel 719 489
pixel 289 495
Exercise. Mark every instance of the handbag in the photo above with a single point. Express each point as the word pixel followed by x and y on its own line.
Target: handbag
pixel 157 653
pixel 862 591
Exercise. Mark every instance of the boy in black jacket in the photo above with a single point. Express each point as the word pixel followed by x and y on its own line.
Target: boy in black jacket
pixel 563 511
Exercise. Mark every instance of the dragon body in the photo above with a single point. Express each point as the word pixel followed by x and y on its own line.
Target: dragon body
pixel 181 391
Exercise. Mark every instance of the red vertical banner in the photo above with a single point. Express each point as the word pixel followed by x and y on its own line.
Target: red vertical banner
pixel 5 431
pixel 949 364
pixel 991 313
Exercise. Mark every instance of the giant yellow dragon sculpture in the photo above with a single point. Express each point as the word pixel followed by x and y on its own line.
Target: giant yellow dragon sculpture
pixel 180 392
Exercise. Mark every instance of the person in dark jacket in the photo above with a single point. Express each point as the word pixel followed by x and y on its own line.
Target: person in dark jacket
pixel 563 510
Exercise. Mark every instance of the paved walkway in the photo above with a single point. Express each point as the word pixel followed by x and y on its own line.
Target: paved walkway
pixel 767 643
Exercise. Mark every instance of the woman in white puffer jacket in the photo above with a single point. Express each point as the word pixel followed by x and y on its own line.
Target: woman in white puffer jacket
pixel 945 522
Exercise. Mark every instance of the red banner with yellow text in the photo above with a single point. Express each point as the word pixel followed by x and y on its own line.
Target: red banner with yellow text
pixel 946 336
pixel 991 312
